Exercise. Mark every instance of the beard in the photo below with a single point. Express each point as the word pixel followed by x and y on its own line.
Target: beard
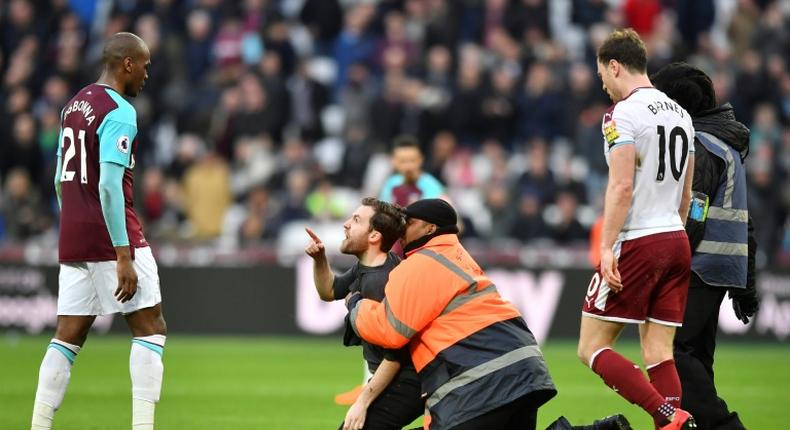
pixel 352 247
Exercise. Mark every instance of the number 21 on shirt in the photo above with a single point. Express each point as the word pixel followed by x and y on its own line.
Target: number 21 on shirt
pixel 68 144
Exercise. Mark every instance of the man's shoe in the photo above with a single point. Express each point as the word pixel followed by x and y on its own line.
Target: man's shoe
pixel 614 422
pixel 349 397
pixel 681 421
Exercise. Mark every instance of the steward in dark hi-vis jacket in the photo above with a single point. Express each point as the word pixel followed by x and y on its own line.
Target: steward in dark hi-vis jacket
pixel 479 364
pixel 722 240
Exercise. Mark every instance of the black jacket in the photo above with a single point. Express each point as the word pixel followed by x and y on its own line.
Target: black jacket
pixel 708 168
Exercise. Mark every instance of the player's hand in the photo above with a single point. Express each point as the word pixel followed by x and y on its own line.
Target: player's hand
pixel 609 270
pixel 316 248
pixel 127 280
pixel 355 417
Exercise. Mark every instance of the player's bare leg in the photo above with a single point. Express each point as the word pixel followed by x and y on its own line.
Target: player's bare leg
pixel 145 363
pixel 55 371
pixel 596 335
pixel 596 340
pixel 656 340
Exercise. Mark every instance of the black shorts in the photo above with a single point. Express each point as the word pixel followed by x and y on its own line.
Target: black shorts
pixel 398 405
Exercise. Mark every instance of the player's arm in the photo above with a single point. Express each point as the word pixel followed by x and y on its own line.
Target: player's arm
pixel 617 202
pixel 322 273
pixel 116 134
pixel 384 375
pixel 114 212
pixel 58 167
pixel 685 200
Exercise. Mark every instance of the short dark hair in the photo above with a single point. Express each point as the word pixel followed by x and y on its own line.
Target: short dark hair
pixel 388 219
pixel 122 45
pixel 687 85
pixel 406 141
pixel 625 47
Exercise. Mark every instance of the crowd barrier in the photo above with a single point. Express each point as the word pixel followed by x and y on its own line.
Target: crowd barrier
pixel 277 299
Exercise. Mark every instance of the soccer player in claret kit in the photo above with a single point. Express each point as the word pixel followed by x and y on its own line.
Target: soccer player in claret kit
pixel 106 265
pixel 645 266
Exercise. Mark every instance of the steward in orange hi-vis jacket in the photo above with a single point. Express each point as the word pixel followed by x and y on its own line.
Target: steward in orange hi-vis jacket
pixel 479 364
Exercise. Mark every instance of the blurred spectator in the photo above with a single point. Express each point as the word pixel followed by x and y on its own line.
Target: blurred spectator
pixel 324 204
pixel 566 228
pixel 253 165
pixel 198 45
pixel 226 49
pixel 387 109
pixel 528 224
pixel 501 95
pixel 502 212
pixel 276 97
pixel 409 183
pixel 355 157
pixel 539 105
pixel 537 181
pixel 465 114
pixel 293 198
pixel 353 44
pixel 257 224
pixel 22 151
pixel 527 19
pixel 499 105
pixel 153 195
pixel 695 18
pixel 21 207
pixel 254 118
pixel 206 195
pixel 395 38
pixel 442 149
pixel 356 98
pixel 641 15
pixel 588 12
pixel 324 19
pixel 307 99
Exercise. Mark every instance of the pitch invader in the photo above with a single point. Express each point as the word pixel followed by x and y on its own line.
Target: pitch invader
pixel 645 266
pixel 106 265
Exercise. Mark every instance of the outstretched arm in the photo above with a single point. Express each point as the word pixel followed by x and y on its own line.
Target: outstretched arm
pixel 322 273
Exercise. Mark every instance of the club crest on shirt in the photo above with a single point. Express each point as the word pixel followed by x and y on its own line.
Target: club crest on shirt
pixel 610 132
pixel 123 144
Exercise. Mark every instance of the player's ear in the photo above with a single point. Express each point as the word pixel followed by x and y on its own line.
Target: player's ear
pixel 614 67
pixel 374 236
pixel 128 64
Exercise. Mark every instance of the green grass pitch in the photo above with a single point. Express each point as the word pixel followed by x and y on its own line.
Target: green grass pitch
pixel 289 383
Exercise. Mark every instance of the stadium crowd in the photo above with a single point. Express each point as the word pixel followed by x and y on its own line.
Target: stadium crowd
pixel 260 113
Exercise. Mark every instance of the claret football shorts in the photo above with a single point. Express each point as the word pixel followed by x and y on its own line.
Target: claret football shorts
pixel 88 288
pixel 655 271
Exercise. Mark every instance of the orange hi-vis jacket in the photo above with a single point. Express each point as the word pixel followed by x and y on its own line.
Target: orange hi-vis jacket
pixel 472 349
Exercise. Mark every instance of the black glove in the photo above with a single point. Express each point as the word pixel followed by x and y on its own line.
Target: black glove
pixel 744 303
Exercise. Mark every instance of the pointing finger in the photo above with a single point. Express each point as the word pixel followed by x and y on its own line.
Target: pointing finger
pixel 312 234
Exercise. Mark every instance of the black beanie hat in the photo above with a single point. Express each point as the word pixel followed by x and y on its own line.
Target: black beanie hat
pixel 434 211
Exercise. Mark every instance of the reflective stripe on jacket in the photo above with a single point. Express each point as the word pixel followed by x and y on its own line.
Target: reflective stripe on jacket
pixel 472 349
pixel 721 257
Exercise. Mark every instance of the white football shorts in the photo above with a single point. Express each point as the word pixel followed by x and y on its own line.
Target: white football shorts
pixel 88 288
